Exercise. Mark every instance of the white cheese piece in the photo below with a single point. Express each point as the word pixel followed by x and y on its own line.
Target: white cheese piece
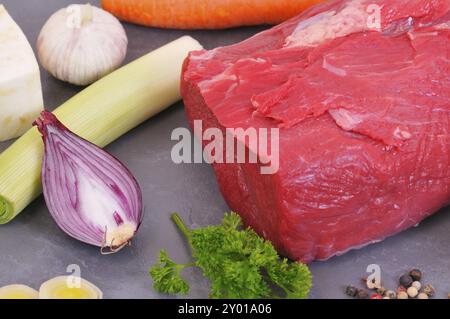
pixel 20 84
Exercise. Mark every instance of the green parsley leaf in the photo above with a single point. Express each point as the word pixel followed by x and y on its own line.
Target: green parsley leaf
pixel 238 262
pixel 166 276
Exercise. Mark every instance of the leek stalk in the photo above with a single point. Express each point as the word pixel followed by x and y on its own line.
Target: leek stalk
pixel 100 113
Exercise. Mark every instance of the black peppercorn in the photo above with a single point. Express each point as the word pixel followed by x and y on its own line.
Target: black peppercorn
pixel 351 291
pixel 406 281
pixel 416 274
pixel 362 294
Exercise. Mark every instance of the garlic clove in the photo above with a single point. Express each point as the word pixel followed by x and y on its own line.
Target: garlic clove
pixel 68 287
pixel 18 292
pixel 81 43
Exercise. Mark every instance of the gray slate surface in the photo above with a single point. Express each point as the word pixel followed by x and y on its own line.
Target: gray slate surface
pixel 33 249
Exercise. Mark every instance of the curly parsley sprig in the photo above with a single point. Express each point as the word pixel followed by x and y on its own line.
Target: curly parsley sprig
pixel 238 262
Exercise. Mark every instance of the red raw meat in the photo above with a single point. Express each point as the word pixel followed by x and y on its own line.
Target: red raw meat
pixel 363 111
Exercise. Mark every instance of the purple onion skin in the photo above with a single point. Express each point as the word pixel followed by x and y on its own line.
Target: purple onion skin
pixel 90 194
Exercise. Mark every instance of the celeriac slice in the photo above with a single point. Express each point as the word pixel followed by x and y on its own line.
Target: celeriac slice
pixel 69 287
pixel 20 83
pixel 18 292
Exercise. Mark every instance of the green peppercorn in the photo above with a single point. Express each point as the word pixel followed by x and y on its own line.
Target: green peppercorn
pixel 406 280
pixel 416 274
pixel 381 291
pixel 351 291
pixel 362 294
pixel 429 290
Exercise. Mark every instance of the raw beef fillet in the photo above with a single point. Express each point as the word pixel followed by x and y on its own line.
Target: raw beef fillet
pixel 360 91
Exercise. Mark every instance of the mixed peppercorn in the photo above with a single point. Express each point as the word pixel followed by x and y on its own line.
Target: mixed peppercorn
pixel 410 286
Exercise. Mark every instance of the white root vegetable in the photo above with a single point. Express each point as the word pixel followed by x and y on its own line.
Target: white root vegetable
pixel 20 84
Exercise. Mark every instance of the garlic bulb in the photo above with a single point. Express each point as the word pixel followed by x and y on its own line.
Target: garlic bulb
pixel 81 43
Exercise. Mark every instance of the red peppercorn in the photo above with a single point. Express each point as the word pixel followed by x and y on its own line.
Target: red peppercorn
pixel 376 296
pixel 401 288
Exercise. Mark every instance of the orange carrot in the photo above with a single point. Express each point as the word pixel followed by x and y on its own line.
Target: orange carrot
pixel 205 14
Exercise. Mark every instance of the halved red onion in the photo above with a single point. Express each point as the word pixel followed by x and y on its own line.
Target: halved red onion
pixel 90 194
